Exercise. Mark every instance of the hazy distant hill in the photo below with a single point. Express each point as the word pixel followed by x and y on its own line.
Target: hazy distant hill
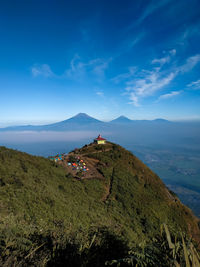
pixel 125 120
pixel 160 120
pixel 52 217
pixel 121 119
pixel 82 121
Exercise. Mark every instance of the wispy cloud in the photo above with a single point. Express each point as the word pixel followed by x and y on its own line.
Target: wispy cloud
pixel 188 33
pixel 129 43
pixel 190 63
pixel 147 82
pixel 194 85
pixel 136 39
pixel 134 99
pixel 169 95
pixel 79 68
pixel 42 70
pixel 146 86
pixel 161 61
pixel 126 75
pixel 100 67
pixel 100 93
pixel 133 69
pixel 172 52
pixel 166 59
pixel 149 10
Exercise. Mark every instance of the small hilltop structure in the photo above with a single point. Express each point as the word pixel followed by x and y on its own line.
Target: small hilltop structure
pixel 100 140
pixel 78 164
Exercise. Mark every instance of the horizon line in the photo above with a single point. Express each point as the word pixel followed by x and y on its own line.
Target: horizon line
pixel 43 123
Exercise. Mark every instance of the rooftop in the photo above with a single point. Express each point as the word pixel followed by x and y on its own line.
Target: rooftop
pixel 100 138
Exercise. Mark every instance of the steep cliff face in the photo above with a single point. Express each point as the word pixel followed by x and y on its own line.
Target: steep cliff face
pixel 117 192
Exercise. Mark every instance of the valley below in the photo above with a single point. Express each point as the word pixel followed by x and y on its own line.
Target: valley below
pixel 179 169
pixel 170 149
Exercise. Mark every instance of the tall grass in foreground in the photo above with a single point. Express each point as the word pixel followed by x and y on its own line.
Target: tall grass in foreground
pixel 99 247
pixel 162 252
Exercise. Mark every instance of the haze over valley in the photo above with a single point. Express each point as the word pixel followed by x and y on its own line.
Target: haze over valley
pixel 171 149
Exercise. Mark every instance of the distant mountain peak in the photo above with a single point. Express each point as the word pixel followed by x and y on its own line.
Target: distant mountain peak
pixel 122 119
pixel 82 118
pixel 81 115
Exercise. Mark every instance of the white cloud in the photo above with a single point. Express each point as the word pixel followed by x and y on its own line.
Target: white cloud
pixel 100 93
pixel 79 68
pixel 134 99
pixel 149 84
pixel 194 85
pixel 124 76
pixel 172 52
pixel 135 40
pixel 42 70
pixel 146 83
pixel 127 44
pixel 161 61
pixel 165 59
pixel 100 68
pixel 149 10
pixel 169 95
pixel 73 62
pixel 189 32
pixel 190 63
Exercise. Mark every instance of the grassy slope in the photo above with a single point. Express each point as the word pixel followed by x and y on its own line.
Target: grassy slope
pixel 141 196
pixel 37 196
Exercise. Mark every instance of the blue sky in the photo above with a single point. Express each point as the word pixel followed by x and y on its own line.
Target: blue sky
pixel 106 58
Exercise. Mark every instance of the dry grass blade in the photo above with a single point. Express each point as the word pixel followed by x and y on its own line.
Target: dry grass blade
pixel 34 250
pixel 177 264
pixel 195 256
pixel 171 245
pixel 185 253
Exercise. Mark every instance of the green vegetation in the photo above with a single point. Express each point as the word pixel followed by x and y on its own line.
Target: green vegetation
pixel 178 168
pixel 50 218
pixel 161 252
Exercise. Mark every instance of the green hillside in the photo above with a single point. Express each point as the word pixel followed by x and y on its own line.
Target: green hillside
pixel 50 216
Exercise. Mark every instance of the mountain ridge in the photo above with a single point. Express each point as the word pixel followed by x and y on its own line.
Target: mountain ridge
pixel 121 194
pixel 79 120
